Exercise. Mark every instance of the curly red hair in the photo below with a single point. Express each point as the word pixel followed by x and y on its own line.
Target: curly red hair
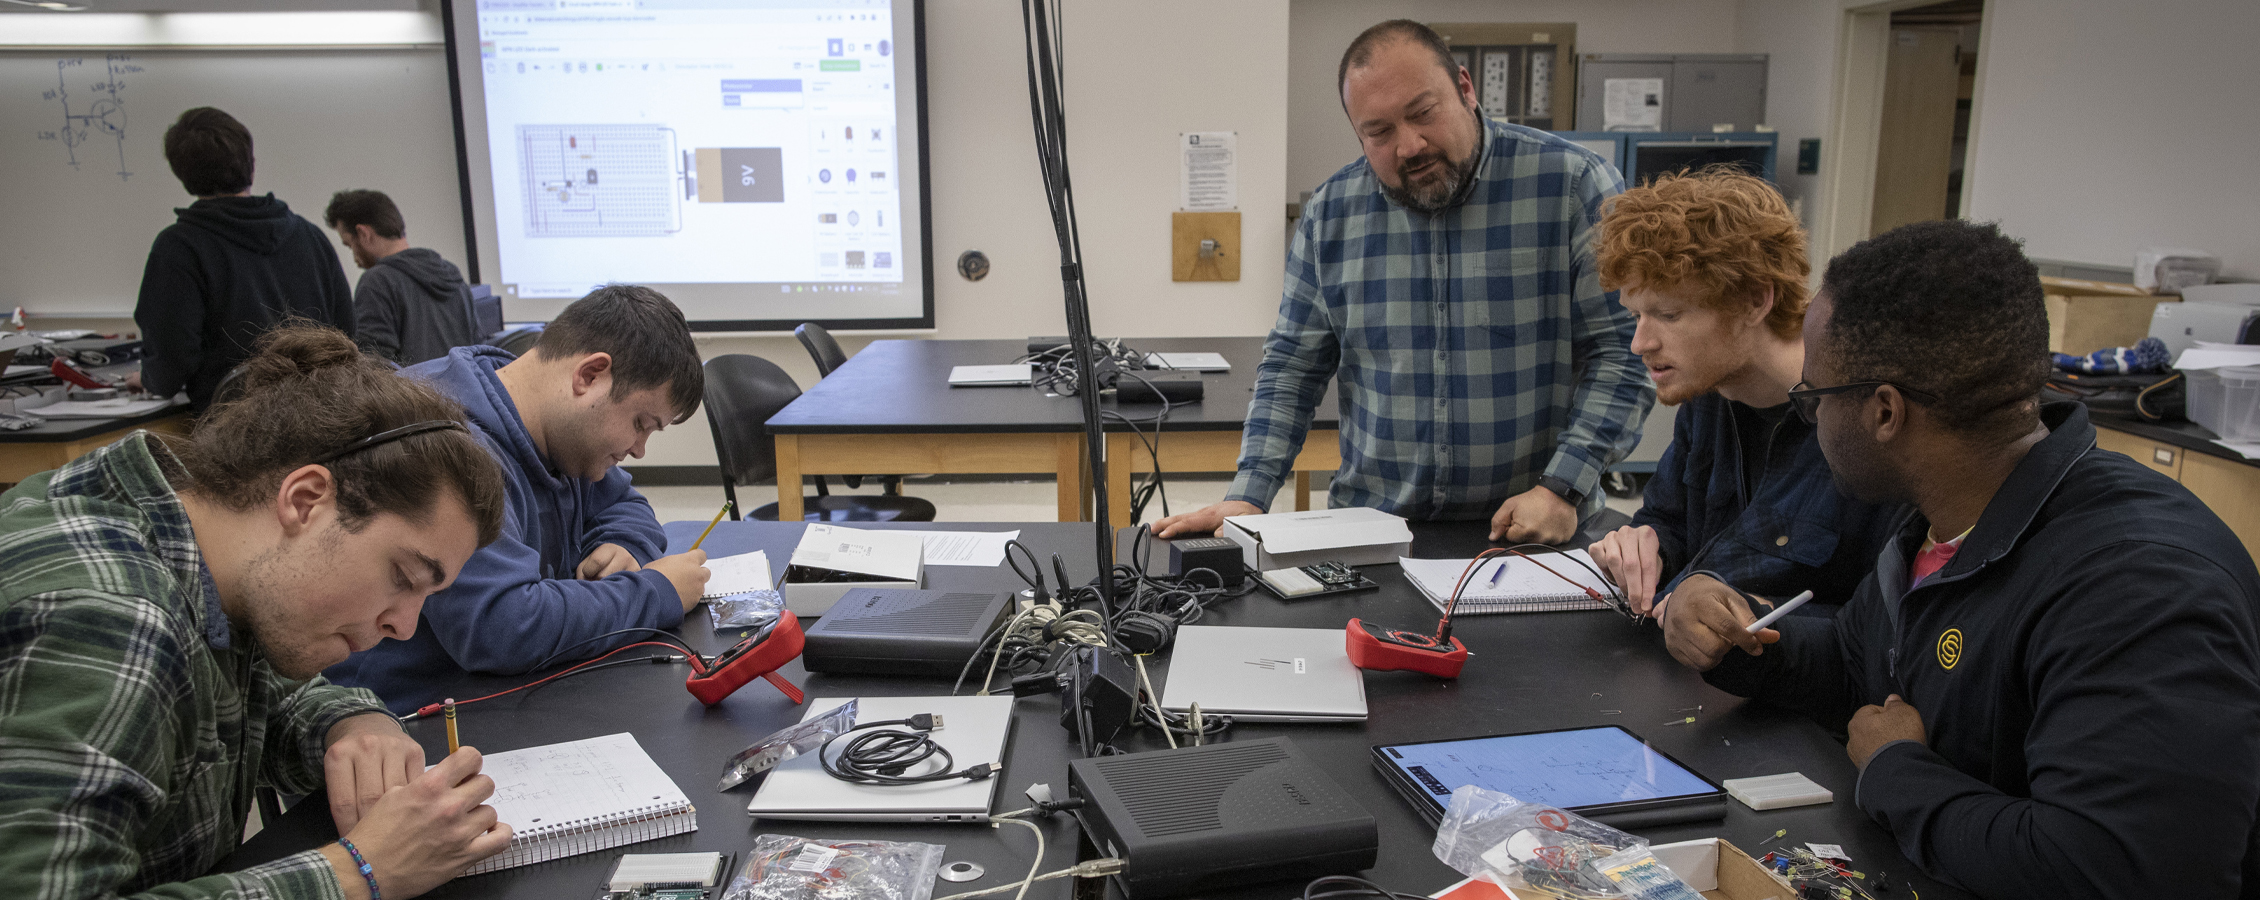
pixel 1721 231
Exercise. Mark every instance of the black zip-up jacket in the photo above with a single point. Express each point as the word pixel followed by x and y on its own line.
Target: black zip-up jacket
pixel 1788 532
pixel 219 277
pixel 413 306
pixel 2087 668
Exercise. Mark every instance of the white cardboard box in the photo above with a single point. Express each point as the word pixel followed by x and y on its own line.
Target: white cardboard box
pixel 1353 535
pixel 831 560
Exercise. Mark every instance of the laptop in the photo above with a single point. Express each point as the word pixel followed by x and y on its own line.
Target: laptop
pixel 989 376
pixel 1265 674
pixel 974 730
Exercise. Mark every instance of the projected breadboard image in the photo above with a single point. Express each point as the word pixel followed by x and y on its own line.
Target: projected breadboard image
pixel 601 180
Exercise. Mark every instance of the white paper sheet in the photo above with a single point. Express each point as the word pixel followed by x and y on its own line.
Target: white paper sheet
pixel 1632 104
pixel 738 574
pixel 2215 355
pixel 1210 181
pixel 100 409
pixel 966 548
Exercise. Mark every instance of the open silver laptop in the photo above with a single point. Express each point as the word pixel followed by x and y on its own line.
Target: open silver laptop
pixel 974 730
pixel 1265 674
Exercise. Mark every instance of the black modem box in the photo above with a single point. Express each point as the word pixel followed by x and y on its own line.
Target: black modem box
pixel 1202 818
pixel 892 631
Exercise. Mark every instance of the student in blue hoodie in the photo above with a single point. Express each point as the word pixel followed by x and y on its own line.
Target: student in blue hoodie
pixel 229 269
pixel 580 550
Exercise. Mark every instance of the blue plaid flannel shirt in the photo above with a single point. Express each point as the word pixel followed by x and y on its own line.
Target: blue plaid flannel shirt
pixel 1476 349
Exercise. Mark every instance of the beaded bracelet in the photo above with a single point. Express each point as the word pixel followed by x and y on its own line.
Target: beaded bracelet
pixel 367 874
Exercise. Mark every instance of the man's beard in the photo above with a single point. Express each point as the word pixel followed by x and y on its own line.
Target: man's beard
pixel 1437 195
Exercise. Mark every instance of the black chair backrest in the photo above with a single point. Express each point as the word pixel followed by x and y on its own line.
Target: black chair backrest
pixel 821 347
pixel 518 340
pixel 742 392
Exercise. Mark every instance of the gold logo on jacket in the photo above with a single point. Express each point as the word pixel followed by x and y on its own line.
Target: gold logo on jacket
pixel 1950 648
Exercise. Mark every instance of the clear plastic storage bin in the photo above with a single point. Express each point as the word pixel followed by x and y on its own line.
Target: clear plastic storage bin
pixel 2226 401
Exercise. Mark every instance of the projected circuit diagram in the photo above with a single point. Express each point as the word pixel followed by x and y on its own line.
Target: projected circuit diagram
pixel 601 180
pixel 631 180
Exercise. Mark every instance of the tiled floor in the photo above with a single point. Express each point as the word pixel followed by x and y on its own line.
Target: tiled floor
pixel 973 501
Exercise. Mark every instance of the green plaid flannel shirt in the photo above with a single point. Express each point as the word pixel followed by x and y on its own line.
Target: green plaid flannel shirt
pixel 133 722
pixel 1476 349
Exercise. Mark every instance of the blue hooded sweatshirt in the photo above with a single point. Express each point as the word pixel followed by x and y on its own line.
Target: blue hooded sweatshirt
pixel 517 600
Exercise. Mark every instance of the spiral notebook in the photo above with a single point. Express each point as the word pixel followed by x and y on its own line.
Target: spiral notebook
pixel 1522 585
pixel 740 574
pixel 580 797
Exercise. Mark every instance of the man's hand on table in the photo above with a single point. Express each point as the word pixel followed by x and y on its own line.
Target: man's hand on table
pixel 1535 516
pixel 1874 726
pixel 1204 520
pixel 366 756
pixel 606 561
pixel 688 572
pixel 1629 556
pixel 1705 619
pixel 424 832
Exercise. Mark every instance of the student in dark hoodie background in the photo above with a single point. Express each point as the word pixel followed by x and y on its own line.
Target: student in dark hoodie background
pixel 229 269
pixel 580 550
pixel 411 305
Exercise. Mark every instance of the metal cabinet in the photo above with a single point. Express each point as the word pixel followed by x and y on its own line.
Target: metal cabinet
pixel 1697 90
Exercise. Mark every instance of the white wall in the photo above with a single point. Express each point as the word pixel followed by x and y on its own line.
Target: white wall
pixel 1137 74
pixel 2105 126
pixel 1799 40
pixel 1319 138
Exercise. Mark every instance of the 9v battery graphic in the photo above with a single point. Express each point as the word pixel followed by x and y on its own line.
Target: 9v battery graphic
pixel 631 180
pixel 740 174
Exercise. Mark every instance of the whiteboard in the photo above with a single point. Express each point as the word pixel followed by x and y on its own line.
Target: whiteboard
pixel 74 237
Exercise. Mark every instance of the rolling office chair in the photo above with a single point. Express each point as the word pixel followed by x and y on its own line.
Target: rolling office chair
pixel 829 357
pixel 517 340
pixel 742 392
pixel 821 347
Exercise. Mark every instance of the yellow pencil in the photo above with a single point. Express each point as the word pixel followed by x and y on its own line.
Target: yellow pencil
pixel 710 525
pixel 454 743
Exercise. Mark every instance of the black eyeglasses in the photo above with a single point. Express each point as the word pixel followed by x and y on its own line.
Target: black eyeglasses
pixel 1807 400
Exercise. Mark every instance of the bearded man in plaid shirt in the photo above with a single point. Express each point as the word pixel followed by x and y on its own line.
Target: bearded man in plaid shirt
pixel 1448 278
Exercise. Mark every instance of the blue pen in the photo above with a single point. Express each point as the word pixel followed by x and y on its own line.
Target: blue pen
pixel 1495 573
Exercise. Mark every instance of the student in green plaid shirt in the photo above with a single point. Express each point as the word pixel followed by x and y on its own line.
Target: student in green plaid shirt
pixel 1448 279
pixel 164 616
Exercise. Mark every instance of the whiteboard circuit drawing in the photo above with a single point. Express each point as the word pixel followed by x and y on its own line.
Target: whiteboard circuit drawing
pixel 99 114
pixel 601 180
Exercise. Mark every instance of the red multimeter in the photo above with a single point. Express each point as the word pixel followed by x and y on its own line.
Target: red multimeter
pixel 1378 649
pixel 760 655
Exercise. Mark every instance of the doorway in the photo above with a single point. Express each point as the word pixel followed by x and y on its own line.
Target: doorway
pixel 1922 140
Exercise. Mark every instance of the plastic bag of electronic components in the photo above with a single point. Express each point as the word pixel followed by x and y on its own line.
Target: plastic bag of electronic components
pixel 751 609
pixel 786 743
pixel 1550 852
pixel 783 867
pixel 1640 876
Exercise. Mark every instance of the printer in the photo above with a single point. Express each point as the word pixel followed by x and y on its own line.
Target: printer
pixel 2222 313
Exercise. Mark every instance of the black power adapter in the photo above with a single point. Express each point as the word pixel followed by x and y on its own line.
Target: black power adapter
pixel 1154 386
pixel 1101 691
pixel 1219 555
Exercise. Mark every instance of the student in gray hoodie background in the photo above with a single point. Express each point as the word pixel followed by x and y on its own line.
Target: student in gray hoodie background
pixel 411 305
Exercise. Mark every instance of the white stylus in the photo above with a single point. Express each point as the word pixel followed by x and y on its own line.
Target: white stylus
pixel 1778 612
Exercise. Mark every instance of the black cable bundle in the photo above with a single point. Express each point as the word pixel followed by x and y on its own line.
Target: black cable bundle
pixel 1046 51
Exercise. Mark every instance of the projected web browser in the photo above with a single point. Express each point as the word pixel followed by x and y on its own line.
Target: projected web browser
pixel 756 159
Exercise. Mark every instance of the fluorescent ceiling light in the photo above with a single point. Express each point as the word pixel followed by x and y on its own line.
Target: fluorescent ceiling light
pixel 244 29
